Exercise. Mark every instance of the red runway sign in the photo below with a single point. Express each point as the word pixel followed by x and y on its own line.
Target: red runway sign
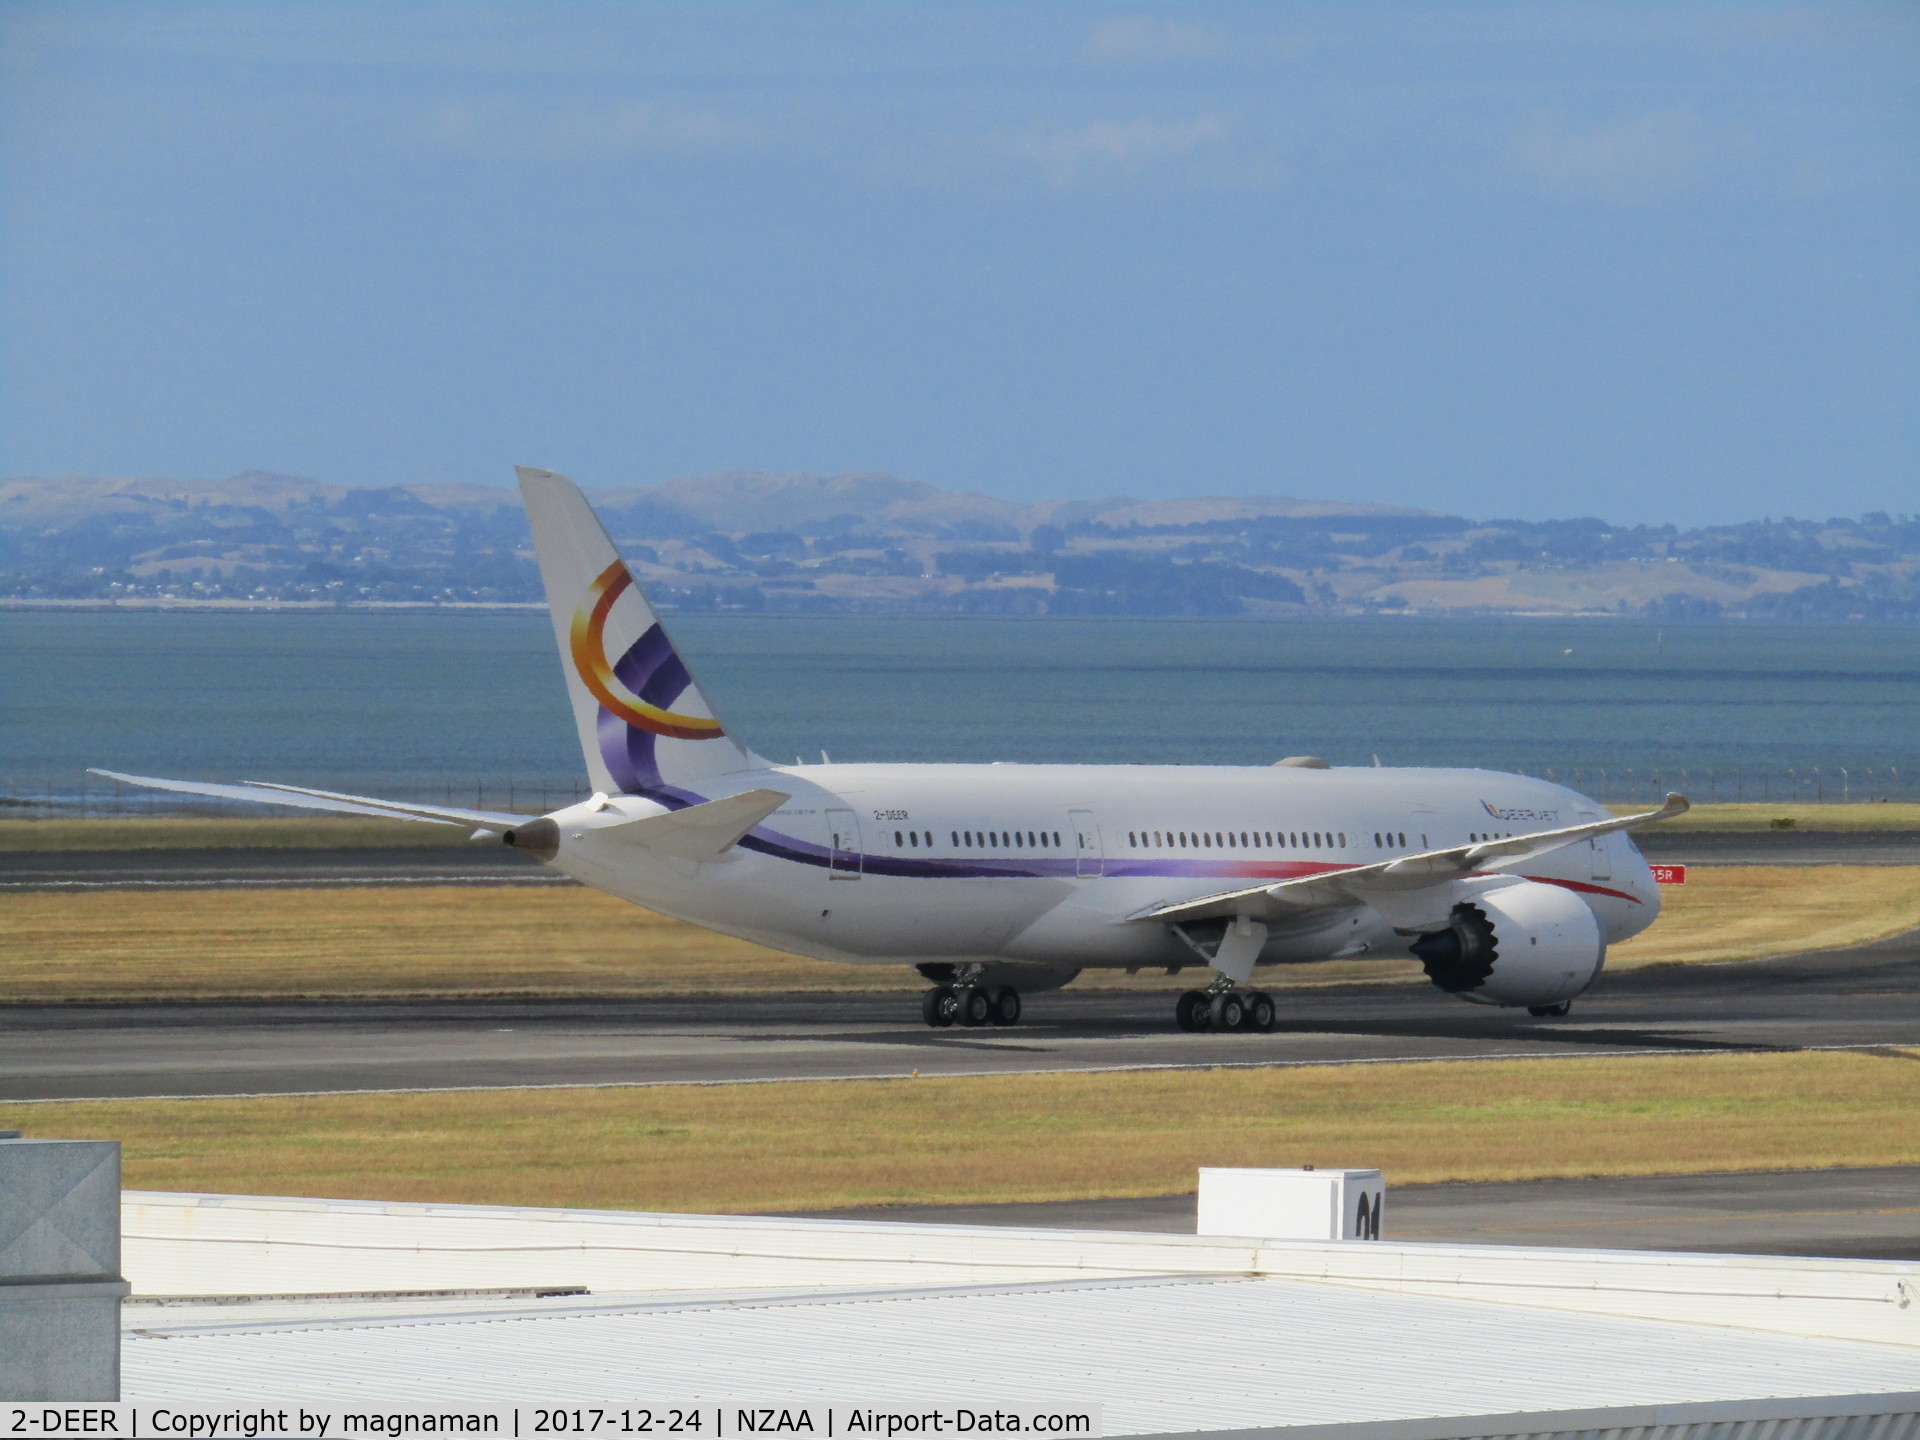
pixel 1669 874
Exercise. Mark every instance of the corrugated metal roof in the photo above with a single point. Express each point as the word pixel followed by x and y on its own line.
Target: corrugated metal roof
pixel 1160 1355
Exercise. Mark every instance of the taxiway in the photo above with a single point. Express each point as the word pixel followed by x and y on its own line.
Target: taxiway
pixel 1862 997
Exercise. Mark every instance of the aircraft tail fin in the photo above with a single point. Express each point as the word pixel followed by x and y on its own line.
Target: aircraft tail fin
pixel 645 727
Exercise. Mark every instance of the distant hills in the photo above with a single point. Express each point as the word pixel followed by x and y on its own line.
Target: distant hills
pixel 875 543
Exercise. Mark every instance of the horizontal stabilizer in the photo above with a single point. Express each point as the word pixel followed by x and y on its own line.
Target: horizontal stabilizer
pixel 265 793
pixel 700 832
pixel 1360 883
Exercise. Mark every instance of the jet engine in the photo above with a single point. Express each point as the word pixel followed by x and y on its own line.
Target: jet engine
pixel 1524 944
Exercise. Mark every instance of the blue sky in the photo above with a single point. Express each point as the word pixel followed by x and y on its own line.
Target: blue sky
pixel 1655 262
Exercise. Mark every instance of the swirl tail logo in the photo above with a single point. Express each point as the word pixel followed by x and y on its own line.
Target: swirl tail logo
pixel 620 688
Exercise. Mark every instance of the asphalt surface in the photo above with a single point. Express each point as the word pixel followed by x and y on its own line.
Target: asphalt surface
pixel 1848 1214
pixel 1868 996
pixel 1781 847
pixel 493 864
pixel 475 864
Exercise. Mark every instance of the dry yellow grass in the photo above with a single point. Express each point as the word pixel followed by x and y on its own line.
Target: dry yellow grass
pixel 1019 1137
pixel 433 940
pixel 455 940
pixel 1741 912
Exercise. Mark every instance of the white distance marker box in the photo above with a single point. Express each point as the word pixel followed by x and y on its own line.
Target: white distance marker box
pixel 1302 1204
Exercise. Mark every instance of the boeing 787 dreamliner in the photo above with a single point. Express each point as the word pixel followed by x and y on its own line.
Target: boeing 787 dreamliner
pixel 994 880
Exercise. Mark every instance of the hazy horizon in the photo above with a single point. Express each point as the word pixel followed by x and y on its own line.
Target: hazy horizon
pixel 1654 265
pixel 1811 513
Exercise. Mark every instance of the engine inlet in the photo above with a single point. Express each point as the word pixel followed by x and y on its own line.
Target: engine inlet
pixel 1460 957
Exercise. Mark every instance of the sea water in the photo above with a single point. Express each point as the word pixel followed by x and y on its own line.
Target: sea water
pixel 390 702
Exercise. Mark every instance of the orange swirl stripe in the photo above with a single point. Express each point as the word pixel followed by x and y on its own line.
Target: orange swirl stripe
pixel 587 640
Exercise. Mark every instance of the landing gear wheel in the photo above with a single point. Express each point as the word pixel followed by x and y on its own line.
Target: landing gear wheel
pixel 1228 1011
pixel 937 1007
pixel 1550 1010
pixel 972 1006
pixel 1006 1006
pixel 1190 1010
pixel 1260 1012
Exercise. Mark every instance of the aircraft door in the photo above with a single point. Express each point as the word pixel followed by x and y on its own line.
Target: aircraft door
pixel 843 839
pixel 1602 861
pixel 1088 858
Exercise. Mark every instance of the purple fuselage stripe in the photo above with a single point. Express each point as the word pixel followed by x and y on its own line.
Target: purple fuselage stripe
pixel 653 670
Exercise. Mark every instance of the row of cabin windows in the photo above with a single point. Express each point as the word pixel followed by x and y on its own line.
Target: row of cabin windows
pixel 982 839
pixel 1166 839
pixel 1237 840
pixel 1007 839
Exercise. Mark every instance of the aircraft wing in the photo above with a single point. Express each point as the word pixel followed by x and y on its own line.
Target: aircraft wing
pixel 266 793
pixel 1407 872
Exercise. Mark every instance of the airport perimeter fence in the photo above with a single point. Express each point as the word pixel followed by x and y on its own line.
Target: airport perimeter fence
pixel 97 798
pixel 93 797
pixel 1814 785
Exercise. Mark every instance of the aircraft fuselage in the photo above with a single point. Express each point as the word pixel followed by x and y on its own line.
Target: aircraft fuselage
pixel 1042 864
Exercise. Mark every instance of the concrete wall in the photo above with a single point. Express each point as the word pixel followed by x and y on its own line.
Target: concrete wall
pixel 216 1245
pixel 60 1285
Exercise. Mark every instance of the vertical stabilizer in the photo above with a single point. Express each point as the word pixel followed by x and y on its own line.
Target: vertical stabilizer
pixel 644 725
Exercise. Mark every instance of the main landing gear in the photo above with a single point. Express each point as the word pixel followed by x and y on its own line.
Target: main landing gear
pixel 1225 1008
pixel 970 1005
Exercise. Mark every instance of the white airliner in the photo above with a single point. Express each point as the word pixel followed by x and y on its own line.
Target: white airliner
pixel 997 879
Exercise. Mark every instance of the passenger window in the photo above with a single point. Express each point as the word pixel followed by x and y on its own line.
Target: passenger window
pixel 899 840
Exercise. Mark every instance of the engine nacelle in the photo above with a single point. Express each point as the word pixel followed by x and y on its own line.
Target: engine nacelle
pixel 1525 944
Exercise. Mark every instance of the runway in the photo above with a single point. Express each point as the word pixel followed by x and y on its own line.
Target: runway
pixel 1863 1213
pixel 474 864
pixel 1781 847
pixel 493 864
pixel 1869 996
